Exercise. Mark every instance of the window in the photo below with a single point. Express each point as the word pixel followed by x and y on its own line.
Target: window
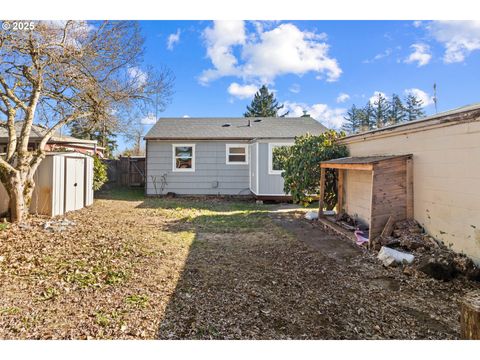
pixel 237 154
pixel 183 157
pixel 276 155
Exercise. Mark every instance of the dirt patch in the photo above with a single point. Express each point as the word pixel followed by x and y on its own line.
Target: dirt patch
pixel 134 268
pixel 325 241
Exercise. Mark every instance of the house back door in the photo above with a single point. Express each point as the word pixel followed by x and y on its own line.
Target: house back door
pixel 74 183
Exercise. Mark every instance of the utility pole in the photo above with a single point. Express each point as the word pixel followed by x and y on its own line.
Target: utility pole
pixel 435 97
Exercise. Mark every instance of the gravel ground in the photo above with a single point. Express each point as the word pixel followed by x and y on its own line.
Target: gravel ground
pixel 131 268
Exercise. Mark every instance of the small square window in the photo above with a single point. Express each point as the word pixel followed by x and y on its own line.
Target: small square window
pixel 183 157
pixel 237 154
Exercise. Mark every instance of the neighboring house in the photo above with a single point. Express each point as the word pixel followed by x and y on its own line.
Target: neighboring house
pixel 58 142
pixel 220 156
pixel 446 173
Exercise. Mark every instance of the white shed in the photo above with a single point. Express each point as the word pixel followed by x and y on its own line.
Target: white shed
pixel 63 182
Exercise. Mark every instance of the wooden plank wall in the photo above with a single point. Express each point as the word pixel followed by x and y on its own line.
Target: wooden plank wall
pixel 389 194
pixel 126 171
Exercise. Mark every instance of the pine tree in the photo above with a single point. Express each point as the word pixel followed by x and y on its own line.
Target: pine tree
pixel 413 108
pixel 352 120
pixel 396 113
pixel 263 104
pixel 103 134
pixel 366 116
pixel 381 108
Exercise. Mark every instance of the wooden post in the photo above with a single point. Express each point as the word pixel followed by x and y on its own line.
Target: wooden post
pixel 470 316
pixel 322 192
pixel 340 192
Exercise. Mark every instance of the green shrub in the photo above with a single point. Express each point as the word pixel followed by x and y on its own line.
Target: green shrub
pixel 100 176
pixel 302 167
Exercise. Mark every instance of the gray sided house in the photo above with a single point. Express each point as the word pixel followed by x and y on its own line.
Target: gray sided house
pixel 220 156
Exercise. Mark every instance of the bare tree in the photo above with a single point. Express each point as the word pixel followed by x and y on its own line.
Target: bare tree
pixel 60 72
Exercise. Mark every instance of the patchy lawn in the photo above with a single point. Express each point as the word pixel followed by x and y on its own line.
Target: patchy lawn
pixel 183 268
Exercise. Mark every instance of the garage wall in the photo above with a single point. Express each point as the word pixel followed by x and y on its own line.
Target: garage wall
pixel 446 178
pixel 357 191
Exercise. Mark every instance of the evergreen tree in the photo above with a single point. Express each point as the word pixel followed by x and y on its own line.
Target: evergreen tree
pixel 352 120
pixel 366 116
pixel 103 134
pixel 263 104
pixel 413 108
pixel 396 113
pixel 381 108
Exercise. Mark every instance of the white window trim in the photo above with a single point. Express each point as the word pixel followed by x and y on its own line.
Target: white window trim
pixel 174 168
pixel 227 153
pixel 270 157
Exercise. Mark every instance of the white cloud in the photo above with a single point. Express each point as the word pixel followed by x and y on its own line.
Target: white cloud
pixel 186 116
pixel 284 49
pixel 295 88
pixel 421 95
pixel 332 118
pixel 379 56
pixel 417 23
pixel 220 40
pixel 460 38
pixel 137 75
pixel 242 91
pixel 173 39
pixel 150 119
pixel 421 54
pixel 375 96
pixel 342 97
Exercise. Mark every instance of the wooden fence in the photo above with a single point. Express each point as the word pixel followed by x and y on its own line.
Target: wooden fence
pixel 126 171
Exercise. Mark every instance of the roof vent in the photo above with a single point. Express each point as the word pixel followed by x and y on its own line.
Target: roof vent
pixel 257 120
pixel 226 125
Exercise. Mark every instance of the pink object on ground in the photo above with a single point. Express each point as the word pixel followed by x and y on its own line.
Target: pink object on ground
pixel 360 239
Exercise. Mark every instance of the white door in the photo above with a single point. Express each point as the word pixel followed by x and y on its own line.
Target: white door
pixel 74 183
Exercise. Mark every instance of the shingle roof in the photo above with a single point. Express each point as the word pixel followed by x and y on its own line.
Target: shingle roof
pixel 38 132
pixel 233 128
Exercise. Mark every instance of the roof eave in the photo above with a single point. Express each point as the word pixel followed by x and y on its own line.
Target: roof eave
pixel 418 125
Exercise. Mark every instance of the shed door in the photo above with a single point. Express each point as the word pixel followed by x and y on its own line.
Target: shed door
pixel 74 183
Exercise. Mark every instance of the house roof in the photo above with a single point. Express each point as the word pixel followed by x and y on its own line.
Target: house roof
pixel 233 128
pixel 464 113
pixel 38 132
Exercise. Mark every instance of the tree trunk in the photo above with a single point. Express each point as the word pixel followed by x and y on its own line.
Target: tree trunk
pixel 470 316
pixel 19 189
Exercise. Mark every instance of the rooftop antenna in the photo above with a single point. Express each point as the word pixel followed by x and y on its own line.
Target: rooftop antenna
pixel 435 96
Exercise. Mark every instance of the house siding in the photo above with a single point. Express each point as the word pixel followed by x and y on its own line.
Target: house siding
pixel 253 167
pixel 212 176
pixel 446 179
pixel 269 184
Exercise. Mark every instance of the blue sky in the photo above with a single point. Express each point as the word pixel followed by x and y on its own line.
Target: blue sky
pixel 320 66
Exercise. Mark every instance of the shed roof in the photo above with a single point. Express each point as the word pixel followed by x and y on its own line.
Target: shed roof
pixel 233 128
pixel 360 162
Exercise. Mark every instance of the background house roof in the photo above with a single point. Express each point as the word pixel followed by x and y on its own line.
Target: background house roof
pixel 38 132
pixel 233 128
